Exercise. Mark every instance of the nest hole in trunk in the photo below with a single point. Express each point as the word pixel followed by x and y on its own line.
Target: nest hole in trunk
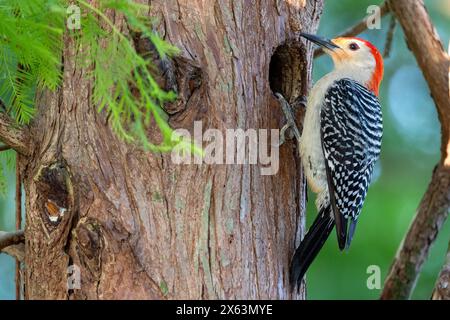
pixel 288 70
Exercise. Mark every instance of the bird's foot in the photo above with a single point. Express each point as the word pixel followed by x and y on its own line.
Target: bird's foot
pixel 290 128
pixel 300 102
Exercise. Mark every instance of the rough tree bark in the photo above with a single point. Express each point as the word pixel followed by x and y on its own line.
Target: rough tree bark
pixel 139 226
pixel 442 288
pixel 10 238
pixel 12 135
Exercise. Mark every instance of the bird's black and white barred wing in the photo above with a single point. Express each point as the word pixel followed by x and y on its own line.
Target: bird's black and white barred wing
pixel 351 129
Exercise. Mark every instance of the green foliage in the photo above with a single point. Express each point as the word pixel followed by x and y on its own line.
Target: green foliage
pixel 31 43
pixel 32 35
pixel 118 70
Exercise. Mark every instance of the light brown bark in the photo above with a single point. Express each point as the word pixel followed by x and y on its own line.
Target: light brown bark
pixel 12 135
pixel 139 226
pixel 442 288
pixel 10 238
pixel 16 251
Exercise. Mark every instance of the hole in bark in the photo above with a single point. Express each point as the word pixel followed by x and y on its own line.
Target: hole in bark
pixel 288 71
pixel 90 243
pixel 55 192
pixel 180 75
pixel 89 237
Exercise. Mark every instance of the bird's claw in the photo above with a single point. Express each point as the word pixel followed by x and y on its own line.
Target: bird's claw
pixel 300 101
pixel 290 120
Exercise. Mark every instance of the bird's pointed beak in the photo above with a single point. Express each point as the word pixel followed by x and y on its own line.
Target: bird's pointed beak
pixel 325 43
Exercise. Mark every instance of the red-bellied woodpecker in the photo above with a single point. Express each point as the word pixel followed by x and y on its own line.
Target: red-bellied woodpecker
pixel 340 143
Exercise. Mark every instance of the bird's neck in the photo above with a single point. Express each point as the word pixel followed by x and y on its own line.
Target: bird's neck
pixel 359 73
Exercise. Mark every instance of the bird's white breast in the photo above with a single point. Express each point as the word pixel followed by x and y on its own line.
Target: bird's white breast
pixel 310 145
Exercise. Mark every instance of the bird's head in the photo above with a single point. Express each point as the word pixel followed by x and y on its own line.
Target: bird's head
pixel 354 56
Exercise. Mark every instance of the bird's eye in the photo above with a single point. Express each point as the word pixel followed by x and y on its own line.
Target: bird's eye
pixel 353 46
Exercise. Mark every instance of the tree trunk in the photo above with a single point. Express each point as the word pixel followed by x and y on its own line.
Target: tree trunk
pixel 136 224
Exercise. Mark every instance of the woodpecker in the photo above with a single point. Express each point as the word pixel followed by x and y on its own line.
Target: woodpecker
pixel 340 143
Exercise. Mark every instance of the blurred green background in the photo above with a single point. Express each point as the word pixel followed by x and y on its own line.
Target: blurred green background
pixel 410 151
pixel 7 223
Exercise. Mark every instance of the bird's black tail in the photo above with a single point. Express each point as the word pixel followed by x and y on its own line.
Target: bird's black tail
pixel 311 245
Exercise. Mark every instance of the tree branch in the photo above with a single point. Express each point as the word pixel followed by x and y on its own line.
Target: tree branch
pixel 434 62
pixel 17 251
pixel 442 289
pixel 14 136
pixel 389 37
pixel 424 42
pixel 430 217
pixel 358 28
pixel 11 238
